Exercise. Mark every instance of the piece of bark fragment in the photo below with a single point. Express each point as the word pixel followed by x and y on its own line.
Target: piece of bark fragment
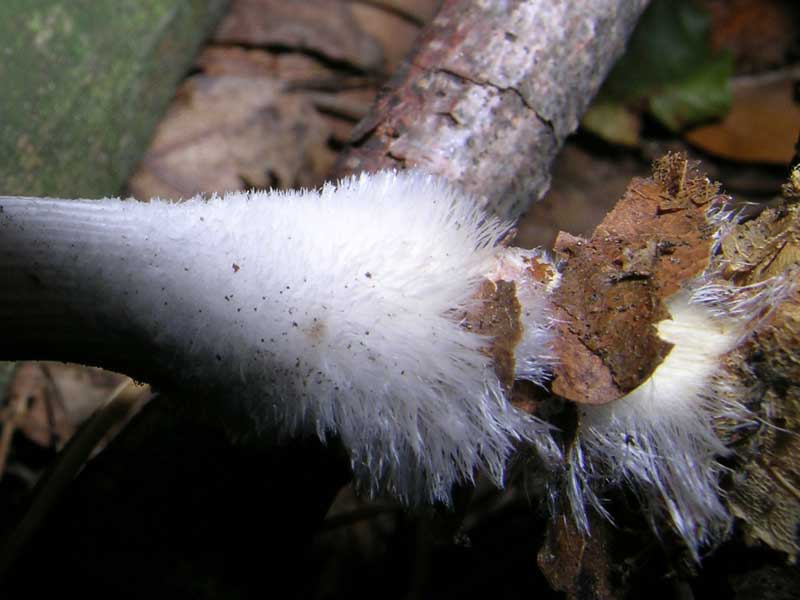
pixel 498 318
pixel 763 257
pixel 613 285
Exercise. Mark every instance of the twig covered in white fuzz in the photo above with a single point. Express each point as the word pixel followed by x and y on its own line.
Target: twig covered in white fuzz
pixel 333 312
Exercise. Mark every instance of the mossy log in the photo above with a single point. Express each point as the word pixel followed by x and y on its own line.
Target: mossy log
pixel 84 83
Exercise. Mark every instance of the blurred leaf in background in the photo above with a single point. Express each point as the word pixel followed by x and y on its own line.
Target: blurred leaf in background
pixel 762 125
pixel 669 71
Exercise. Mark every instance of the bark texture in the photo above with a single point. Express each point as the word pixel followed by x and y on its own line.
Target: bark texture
pixel 492 93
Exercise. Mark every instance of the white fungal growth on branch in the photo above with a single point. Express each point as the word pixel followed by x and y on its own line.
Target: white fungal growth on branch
pixel 332 312
pixel 660 438
pixel 344 312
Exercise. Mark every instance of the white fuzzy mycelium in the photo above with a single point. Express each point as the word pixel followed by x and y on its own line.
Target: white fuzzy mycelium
pixel 660 438
pixel 338 312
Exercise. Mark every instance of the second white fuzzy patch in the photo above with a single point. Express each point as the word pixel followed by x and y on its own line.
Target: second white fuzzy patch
pixel 660 437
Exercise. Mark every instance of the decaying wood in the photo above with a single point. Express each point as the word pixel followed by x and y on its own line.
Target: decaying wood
pixel 668 233
pixel 492 93
pixel 763 256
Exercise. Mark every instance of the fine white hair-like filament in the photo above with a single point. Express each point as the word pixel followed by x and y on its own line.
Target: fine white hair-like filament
pixel 331 312
pixel 660 437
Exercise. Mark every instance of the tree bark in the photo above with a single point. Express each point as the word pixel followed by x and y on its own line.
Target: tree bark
pixel 492 93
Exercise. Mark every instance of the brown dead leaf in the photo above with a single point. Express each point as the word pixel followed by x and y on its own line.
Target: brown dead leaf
pixel 760 34
pixel 278 94
pixel 351 105
pixel 57 397
pixel 292 68
pixel 613 285
pixel 343 109
pixel 416 11
pixel 340 99
pixel 232 132
pixel 609 311
pixel 761 126
pixel 321 27
pixel 395 34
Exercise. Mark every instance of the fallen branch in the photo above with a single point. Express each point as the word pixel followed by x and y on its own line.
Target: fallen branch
pixel 355 314
pixel 492 93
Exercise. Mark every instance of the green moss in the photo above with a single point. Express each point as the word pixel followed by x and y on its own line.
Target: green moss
pixel 83 85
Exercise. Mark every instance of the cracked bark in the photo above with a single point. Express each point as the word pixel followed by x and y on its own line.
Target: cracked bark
pixel 492 93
